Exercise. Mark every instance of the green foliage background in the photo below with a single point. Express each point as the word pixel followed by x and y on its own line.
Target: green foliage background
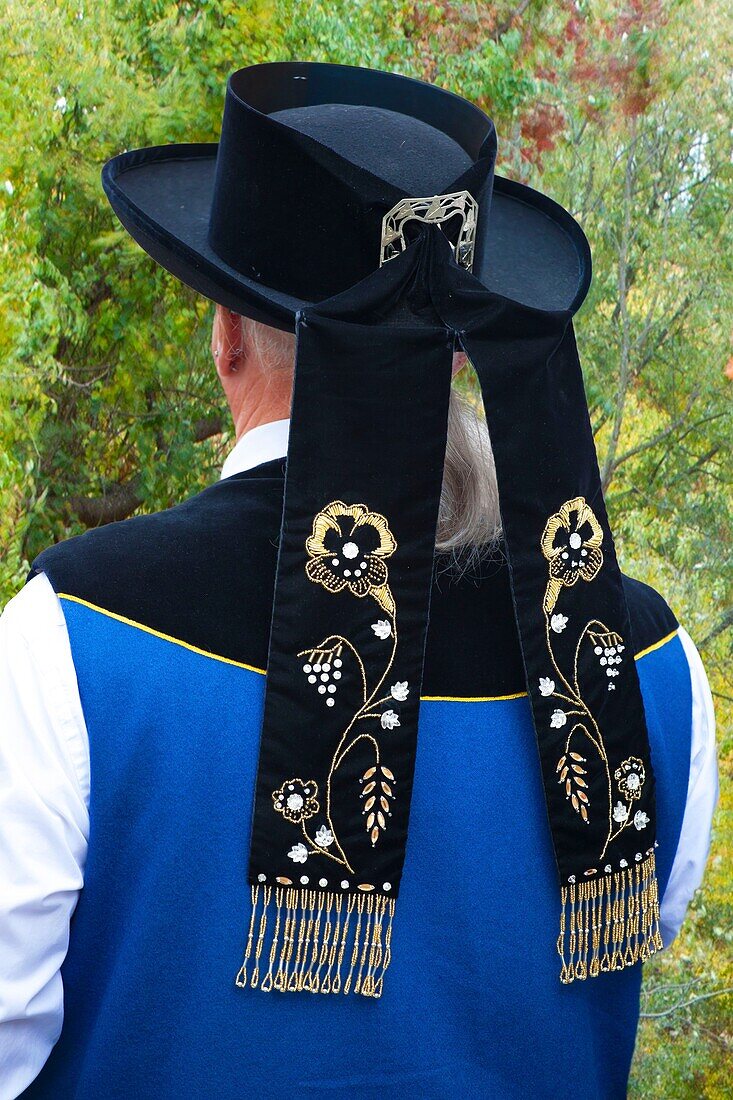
pixel 619 109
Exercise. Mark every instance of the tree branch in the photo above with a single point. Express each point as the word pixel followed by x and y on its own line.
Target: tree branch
pixel 120 501
pixel 206 427
pixel 659 437
pixel 725 622
pixel 625 279
pixel 685 1004
pixel 506 24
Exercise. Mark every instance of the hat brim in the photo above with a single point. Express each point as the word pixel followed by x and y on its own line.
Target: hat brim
pixel 534 252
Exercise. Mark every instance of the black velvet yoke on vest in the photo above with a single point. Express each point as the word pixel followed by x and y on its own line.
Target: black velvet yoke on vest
pixel 203 572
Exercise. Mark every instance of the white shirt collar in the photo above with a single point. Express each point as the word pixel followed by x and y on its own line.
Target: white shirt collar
pixel 258 445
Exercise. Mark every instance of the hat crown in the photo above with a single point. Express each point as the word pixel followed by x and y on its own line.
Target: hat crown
pixel 311 158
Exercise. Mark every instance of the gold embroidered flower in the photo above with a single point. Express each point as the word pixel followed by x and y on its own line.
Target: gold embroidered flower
pixel 348 548
pixel 296 799
pixel 571 542
pixel 630 776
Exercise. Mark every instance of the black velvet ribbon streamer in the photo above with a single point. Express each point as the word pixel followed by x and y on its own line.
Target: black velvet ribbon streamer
pixel 363 484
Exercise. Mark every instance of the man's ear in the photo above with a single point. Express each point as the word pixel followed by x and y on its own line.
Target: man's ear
pixel 226 341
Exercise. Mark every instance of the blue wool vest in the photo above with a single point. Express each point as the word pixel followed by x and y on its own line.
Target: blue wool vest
pixel 168 617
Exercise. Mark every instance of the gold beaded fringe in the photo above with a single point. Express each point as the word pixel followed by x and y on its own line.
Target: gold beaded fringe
pixel 319 941
pixel 609 923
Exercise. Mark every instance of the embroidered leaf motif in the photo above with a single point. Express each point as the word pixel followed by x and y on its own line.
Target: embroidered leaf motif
pixel 570 773
pixel 377 793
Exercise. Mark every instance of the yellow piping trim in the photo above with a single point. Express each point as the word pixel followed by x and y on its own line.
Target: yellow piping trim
pixel 657 645
pixel 471 698
pixel 262 671
pixel 523 694
pixel 158 634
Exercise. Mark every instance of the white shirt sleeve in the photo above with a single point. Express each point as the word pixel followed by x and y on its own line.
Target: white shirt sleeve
pixel 44 826
pixel 702 796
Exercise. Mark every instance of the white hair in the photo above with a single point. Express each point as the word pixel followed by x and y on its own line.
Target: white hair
pixel 469 523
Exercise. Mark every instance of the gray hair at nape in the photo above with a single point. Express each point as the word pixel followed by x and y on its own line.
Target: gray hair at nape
pixel 469 521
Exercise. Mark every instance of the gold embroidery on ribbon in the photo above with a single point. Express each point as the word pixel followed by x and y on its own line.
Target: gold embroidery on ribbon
pixel 611 920
pixel 364 573
pixel 579 557
pixel 348 550
pixel 571 543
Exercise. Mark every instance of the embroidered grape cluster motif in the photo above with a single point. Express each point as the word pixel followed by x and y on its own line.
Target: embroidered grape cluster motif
pixel 323 669
pixel 608 648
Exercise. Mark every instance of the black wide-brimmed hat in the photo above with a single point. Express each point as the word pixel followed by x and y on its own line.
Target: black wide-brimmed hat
pixel 287 208
pixel 361 210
